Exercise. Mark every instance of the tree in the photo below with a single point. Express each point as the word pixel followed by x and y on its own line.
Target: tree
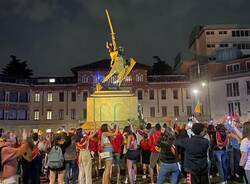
pixel 160 67
pixel 17 69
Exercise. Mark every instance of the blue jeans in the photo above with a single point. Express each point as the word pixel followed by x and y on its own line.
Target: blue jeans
pixel 221 163
pixel 168 169
pixel 71 171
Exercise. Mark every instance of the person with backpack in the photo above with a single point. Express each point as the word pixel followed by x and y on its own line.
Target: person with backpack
pixel 154 157
pixel 70 159
pixel 9 155
pixel 56 161
pixel 220 153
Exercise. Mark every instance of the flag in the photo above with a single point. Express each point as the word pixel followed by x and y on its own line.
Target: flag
pixel 197 108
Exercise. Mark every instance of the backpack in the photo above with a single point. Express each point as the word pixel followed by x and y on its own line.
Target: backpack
pixel 55 157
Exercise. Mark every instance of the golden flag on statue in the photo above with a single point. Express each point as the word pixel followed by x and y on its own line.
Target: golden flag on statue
pixel 197 108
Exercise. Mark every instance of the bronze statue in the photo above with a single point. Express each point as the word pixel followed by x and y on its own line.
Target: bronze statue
pixel 118 63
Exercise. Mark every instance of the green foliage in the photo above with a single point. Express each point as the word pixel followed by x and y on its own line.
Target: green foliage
pixel 17 69
pixel 160 67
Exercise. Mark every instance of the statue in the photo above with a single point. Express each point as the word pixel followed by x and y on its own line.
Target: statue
pixel 118 63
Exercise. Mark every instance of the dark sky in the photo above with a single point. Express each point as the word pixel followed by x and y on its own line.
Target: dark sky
pixel 55 35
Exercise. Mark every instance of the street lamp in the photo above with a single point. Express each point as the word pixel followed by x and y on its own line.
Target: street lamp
pixel 195 91
pixel 203 84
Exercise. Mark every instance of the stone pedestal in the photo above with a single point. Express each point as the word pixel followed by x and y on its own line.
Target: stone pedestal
pixel 110 106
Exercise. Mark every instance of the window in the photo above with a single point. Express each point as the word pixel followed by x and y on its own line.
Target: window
pixel 233 34
pixel 233 68
pixel 236 89
pixel 209 33
pixel 163 94
pixel 248 65
pixel 13 96
pixel 85 95
pixel 210 45
pixel 229 90
pixel 73 114
pixel 189 111
pixel 36 115
pixel 248 87
pixel 139 77
pixel 13 114
pixel 224 45
pixel 151 94
pixel 152 111
pixel 37 97
pixel 175 94
pixel 85 79
pixel 84 113
pixel 222 32
pixel 164 111
pixel 22 114
pixel 2 96
pixel 23 97
pixel 49 115
pixel 50 97
pixel 61 97
pixel 73 96
pixel 176 111
pixel 1 114
pixel 139 94
pixel 61 114
pixel 237 108
pixel 188 94
pixel 128 79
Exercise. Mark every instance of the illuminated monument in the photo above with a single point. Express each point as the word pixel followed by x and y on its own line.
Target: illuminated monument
pixel 107 106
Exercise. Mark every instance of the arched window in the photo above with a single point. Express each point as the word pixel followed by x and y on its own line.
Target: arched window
pixel 85 79
pixel 139 77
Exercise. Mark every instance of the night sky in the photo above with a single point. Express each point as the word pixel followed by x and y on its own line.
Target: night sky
pixel 56 35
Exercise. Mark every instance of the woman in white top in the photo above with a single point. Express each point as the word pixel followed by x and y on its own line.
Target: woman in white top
pixel 245 150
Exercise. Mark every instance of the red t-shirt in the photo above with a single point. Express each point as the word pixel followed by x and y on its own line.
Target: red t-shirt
pixel 93 145
pixel 117 143
pixel 144 145
pixel 153 138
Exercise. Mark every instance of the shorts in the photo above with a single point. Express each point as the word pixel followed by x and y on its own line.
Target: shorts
pixel 117 159
pixel 145 156
pixel 110 150
pixel 154 158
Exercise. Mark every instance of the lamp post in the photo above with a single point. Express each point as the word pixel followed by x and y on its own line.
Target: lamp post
pixel 204 84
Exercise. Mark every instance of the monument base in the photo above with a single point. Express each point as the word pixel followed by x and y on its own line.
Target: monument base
pixel 110 106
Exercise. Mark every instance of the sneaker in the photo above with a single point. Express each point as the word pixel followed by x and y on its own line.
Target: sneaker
pixel 126 180
pixel 144 176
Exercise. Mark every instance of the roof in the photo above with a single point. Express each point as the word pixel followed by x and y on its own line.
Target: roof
pixel 104 65
pixel 167 78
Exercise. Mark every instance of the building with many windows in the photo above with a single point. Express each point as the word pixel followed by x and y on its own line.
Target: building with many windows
pixel 63 100
pixel 220 42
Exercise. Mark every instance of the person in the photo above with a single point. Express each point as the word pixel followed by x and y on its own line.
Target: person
pixel 145 155
pixel 244 148
pixel 117 142
pixel 32 170
pixel 57 150
pixel 195 160
pixel 70 159
pixel 132 156
pixel 93 148
pixel 154 157
pixel 220 154
pixel 84 158
pixel 168 156
pixel 9 156
pixel 107 151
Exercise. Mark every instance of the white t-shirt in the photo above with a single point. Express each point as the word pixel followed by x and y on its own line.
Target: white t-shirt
pixel 245 147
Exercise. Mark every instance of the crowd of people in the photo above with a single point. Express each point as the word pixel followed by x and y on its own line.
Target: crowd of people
pixel 193 152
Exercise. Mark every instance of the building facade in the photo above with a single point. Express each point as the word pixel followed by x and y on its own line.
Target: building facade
pixel 63 100
pixel 217 42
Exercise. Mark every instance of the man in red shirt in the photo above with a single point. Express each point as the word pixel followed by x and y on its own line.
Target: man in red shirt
pixel 117 142
pixel 154 157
